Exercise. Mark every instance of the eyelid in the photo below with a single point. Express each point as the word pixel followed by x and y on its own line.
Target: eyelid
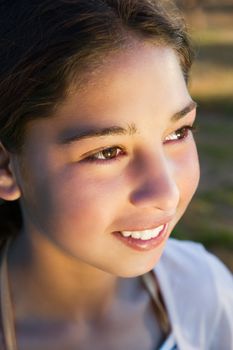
pixel 189 128
pixel 96 150
pixel 91 153
pixel 188 119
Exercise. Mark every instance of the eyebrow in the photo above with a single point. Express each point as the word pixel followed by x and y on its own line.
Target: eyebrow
pixel 130 129
pixel 181 114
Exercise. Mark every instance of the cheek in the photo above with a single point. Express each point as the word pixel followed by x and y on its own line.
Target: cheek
pixel 83 202
pixel 187 173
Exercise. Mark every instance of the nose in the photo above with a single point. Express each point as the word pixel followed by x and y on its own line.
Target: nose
pixel 155 184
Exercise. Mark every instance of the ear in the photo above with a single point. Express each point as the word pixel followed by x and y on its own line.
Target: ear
pixel 9 189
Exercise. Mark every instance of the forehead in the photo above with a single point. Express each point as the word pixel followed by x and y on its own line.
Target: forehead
pixel 144 73
pixel 129 85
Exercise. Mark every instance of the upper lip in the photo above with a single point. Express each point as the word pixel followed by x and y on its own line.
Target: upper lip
pixel 143 229
pixel 149 227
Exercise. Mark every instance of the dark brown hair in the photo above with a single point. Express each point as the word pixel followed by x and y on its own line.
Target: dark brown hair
pixel 46 46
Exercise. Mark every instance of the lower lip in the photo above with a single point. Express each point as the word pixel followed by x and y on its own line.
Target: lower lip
pixel 141 245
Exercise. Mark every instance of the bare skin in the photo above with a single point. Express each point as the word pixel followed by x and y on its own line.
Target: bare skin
pixel 79 280
pixel 128 321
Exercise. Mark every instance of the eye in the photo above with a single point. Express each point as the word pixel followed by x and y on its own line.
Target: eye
pixel 179 134
pixel 107 154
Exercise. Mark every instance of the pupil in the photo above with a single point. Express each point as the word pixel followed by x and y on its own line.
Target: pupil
pixel 181 133
pixel 110 153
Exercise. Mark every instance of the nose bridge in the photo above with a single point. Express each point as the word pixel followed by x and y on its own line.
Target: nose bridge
pixel 156 184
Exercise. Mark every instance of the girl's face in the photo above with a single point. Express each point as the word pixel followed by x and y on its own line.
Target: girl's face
pixel 118 156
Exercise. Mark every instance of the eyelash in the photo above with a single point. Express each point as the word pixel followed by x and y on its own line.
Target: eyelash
pixel 185 129
pixel 120 151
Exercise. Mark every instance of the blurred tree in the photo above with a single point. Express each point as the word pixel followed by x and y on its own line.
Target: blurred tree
pixel 194 10
pixel 190 4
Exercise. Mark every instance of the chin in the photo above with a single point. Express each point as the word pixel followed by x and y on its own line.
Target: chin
pixel 137 269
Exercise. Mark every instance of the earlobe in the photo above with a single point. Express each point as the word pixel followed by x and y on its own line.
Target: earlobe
pixel 9 189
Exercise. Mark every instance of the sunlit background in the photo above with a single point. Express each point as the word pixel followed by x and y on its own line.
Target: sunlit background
pixel 209 219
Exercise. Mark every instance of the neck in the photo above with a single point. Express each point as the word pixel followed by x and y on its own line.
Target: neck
pixel 63 287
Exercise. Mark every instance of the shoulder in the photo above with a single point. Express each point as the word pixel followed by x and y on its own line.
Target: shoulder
pixel 191 259
pixel 198 292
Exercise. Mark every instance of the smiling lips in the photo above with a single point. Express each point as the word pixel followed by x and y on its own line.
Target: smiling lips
pixel 145 234
pixel 144 240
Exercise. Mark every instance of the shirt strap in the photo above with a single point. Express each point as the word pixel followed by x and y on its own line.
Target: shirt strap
pixel 150 282
pixel 6 305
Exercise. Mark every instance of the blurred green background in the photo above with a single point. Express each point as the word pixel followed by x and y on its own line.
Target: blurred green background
pixel 209 219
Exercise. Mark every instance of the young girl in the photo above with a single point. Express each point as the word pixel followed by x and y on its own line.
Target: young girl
pixel 97 165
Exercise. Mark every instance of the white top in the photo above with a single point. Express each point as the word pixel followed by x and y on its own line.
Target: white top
pixel 198 292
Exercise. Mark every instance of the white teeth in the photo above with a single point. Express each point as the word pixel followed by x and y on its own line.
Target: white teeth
pixel 126 233
pixel 143 235
pixel 136 234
